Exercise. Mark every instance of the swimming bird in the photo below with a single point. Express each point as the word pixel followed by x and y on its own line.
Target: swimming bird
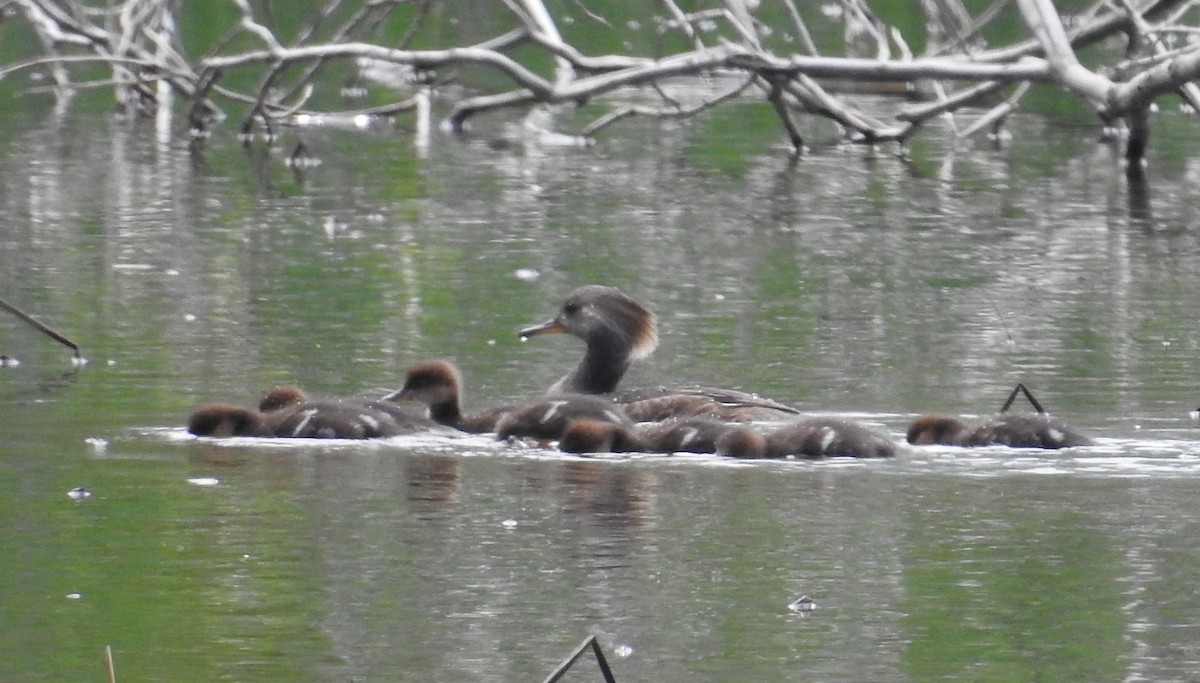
pixel 286 411
pixel 826 437
pixel 680 435
pixel 1026 430
pixel 600 436
pixel 547 419
pixel 223 419
pixel 616 330
pixel 438 384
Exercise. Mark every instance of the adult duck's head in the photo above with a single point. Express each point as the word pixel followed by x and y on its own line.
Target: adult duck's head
pixel 616 329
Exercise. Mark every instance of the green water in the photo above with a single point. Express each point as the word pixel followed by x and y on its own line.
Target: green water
pixel 846 282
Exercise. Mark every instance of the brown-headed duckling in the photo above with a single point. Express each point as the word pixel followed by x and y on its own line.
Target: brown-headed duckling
pixel 600 436
pixel 282 396
pixel 286 411
pixel 223 419
pixel 689 434
pixel 346 420
pixel 1026 430
pixel 615 329
pixel 827 437
pixel 438 384
pixel 547 419
pixel 1030 430
pixel 680 435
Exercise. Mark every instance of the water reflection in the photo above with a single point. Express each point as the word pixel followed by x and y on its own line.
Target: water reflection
pixel 432 478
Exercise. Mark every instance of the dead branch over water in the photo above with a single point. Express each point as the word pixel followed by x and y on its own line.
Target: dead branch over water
pixel 1154 52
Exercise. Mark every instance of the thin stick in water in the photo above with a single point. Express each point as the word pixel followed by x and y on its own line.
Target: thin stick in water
pixel 591 642
pixel 108 660
pixel 56 336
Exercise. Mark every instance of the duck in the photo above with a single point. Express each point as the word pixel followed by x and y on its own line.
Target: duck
pixel 281 396
pixel 286 411
pixel 585 436
pixel 826 437
pixel 690 435
pixel 680 435
pixel 438 384
pixel 1026 430
pixel 335 419
pixel 225 420
pixel 654 404
pixel 616 331
pixel 546 419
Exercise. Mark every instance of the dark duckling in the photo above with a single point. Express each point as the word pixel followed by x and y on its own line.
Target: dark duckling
pixel 682 435
pixel 1015 431
pixel 438 384
pixel 547 419
pixel 282 396
pixel 688 434
pixel 289 412
pixel 600 436
pixel 223 420
pixel 1036 430
pixel 825 437
pixel 615 329
pixel 286 411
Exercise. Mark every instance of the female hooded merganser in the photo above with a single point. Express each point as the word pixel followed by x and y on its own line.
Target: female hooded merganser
pixel 824 437
pixel 618 330
pixel 654 404
pixel 438 384
pixel 1037 430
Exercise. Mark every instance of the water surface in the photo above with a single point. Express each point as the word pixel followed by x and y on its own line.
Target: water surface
pixel 849 281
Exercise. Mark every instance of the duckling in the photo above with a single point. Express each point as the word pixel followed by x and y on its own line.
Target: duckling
pixel 546 419
pixel 823 437
pixel 1037 430
pixel 438 384
pixel 600 436
pixel 223 420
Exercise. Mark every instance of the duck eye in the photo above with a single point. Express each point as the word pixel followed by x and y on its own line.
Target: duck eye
pixel 571 308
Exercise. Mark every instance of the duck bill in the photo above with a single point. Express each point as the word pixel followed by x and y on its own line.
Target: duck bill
pixel 548 327
pixel 398 396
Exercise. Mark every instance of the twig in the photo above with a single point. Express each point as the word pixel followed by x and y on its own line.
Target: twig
pixel 1020 388
pixel 56 336
pixel 108 661
pixel 997 114
pixel 679 111
pixel 591 642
